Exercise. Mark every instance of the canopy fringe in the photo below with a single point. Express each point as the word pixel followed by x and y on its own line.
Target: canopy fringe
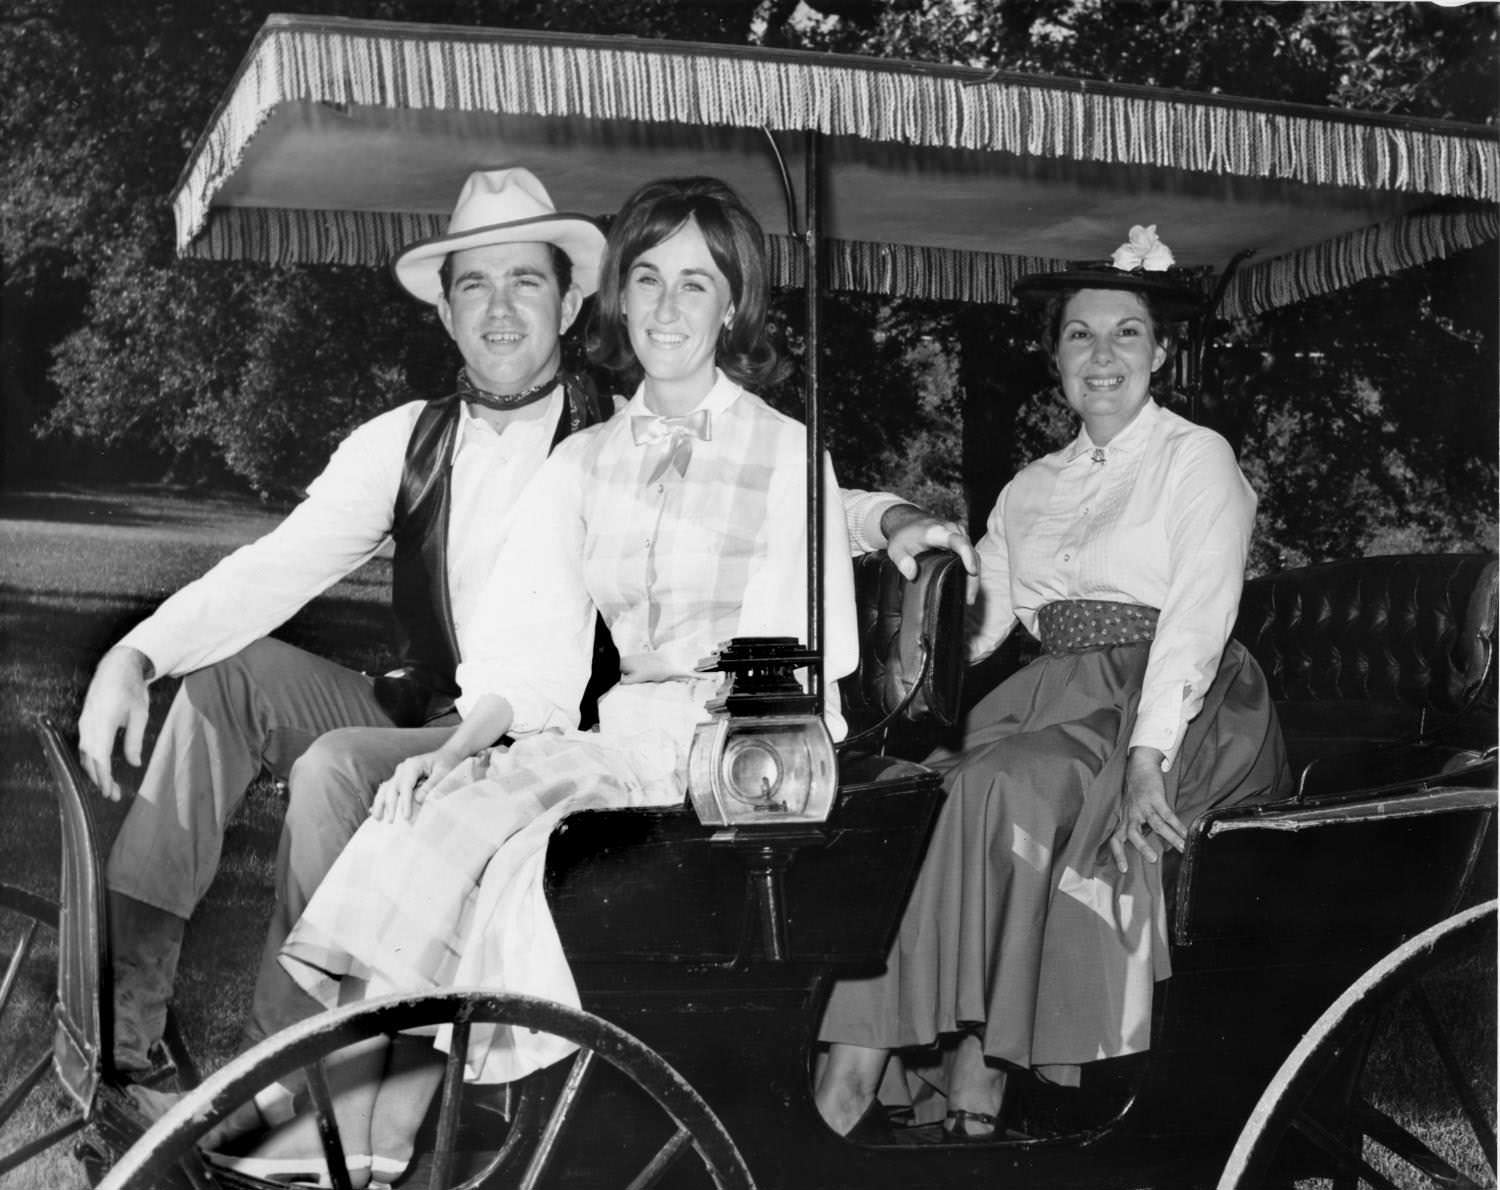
pixel 290 237
pixel 633 82
pixel 940 274
pixel 1368 252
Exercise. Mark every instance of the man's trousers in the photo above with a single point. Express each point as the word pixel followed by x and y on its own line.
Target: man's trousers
pixel 259 710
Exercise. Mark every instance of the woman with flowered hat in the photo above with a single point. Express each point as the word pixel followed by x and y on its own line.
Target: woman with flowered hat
pixel 1035 932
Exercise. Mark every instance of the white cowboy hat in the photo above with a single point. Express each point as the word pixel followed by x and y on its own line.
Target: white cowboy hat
pixel 503 206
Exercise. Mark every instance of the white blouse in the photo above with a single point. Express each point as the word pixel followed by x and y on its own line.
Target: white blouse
pixel 1161 516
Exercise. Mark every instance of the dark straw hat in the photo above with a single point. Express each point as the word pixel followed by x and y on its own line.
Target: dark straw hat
pixel 1143 264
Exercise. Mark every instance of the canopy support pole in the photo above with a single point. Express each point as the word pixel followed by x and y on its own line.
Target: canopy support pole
pixel 1190 371
pixel 812 205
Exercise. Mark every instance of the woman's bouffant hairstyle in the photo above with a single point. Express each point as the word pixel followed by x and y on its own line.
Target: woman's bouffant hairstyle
pixel 1165 333
pixel 736 243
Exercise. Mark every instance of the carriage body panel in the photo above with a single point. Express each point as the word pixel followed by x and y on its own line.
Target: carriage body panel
pixel 1275 908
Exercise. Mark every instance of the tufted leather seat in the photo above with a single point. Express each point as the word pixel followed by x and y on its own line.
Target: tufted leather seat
pixel 911 648
pixel 1394 652
pixel 1383 672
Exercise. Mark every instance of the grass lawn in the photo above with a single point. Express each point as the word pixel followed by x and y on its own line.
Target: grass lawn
pixel 77 568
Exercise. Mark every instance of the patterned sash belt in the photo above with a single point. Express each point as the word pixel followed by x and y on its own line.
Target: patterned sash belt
pixel 1078 625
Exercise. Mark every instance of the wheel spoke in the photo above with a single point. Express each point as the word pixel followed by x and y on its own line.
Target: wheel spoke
pixel 453 1084
pixel 23 1088
pixel 522 1114
pixel 328 1126
pixel 1348 1160
pixel 660 1163
pixel 1385 1131
pixel 555 1122
pixel 1462 1087
pixel 18 957
pixel 32 1147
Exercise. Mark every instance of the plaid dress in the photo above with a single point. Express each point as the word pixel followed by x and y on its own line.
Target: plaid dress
pixel 676 564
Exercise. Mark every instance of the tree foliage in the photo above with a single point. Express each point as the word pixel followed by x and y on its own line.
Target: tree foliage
pixel 1367 419
pixel 209 370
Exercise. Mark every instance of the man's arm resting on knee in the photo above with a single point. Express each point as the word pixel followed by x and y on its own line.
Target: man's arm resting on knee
pixel 116 700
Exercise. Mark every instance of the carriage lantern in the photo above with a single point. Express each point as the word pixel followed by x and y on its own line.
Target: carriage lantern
pixel 765 757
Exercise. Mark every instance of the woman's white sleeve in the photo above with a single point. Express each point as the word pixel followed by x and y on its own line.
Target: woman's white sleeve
pixel 1209 515
pixel 775 602
pixel 534 643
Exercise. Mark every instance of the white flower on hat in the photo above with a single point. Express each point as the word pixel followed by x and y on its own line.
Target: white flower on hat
pixel 1143 251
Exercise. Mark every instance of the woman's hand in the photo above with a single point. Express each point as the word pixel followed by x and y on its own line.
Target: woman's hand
pixel 404 791
pixel 417 778
pixel 647 667
pixel 1145 810
pixel 910 531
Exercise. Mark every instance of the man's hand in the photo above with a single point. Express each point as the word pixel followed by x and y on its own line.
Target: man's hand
pixel 910 531
pixel 116 700
pixel 1145 810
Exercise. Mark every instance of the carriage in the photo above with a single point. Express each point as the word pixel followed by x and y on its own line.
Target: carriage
pixel 704 951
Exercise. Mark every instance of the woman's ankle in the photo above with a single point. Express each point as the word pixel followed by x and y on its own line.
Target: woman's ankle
pixel 848 1084
pixel 978 1085
pixel 269 1109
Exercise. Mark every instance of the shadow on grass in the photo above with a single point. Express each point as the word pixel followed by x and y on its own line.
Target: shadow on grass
pixel 130 506
pixel 77 569
pixel 51 648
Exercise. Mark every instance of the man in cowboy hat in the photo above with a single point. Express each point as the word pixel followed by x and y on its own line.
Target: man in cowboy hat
pixel 437 479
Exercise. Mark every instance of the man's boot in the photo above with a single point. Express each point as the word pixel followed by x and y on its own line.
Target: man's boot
pixel 144 944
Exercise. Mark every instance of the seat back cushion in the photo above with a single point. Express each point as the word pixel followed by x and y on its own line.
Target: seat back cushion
pixel 911 643
pixel 1415 632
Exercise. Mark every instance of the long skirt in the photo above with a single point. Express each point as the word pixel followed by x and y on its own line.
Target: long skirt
pixel 1020 927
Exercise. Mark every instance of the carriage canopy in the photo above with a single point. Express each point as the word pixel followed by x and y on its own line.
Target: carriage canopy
pixel 341 140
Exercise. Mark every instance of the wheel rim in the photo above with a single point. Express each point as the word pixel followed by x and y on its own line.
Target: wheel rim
pixel 168 1148
pixel 1318 1097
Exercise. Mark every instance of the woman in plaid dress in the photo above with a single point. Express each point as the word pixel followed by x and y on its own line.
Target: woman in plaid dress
pixel 682 522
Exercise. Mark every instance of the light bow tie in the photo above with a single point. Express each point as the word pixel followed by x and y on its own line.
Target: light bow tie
pixel 650 428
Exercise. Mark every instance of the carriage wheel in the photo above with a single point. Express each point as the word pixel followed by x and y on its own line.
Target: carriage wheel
pixel 1417 1009
pixel 671 1131
pixel 28 926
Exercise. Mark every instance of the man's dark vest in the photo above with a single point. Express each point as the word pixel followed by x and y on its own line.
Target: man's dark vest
pixel 425 686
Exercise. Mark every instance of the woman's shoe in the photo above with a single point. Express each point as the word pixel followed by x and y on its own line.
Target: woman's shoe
pixel 385 1172
pixel 956 1125
pixel 289 1171
pixel 271 1107
pixel 872 1128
